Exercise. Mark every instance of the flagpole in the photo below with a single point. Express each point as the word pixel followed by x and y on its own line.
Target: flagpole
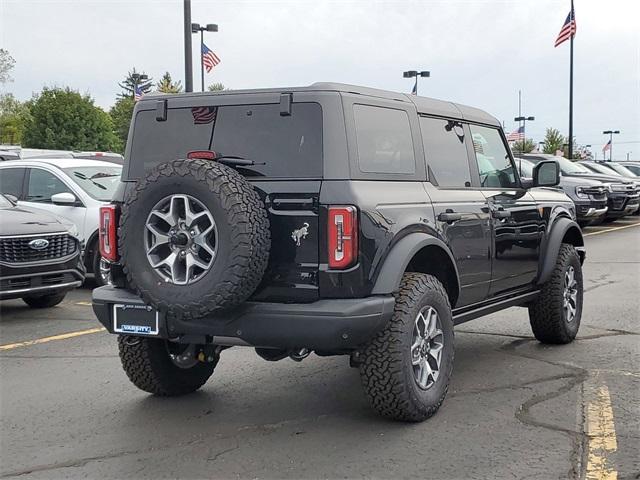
pixel 571 90
pixel 202 58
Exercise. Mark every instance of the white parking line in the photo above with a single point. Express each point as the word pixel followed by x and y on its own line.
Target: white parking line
pixel 613 229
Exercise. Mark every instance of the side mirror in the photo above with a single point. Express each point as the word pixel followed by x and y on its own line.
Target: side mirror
pixel 546 174
pixel 64 198
pixel 526 182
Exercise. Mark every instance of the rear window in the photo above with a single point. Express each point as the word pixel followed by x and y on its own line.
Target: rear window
pixel 282 146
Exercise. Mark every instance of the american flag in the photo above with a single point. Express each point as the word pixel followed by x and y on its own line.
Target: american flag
pixel 568 30
pixel 137 93
pixel 202 115
pixel 209 59
pixel 607 146
pixel 516 135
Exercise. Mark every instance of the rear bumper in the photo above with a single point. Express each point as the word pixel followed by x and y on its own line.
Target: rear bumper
pixel 329 324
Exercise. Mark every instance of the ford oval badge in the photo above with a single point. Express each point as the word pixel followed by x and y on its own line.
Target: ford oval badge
pixel 39 244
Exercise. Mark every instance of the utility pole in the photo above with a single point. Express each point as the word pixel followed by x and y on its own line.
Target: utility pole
pixel 571 92
pixel 188 61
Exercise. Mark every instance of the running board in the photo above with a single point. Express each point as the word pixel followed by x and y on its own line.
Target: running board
pixel 471 313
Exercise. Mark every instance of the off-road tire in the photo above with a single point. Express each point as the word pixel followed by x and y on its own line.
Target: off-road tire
pixel 44 301
pixel 242 227
pixel 147 363
pixel 385 361
pixel 546 313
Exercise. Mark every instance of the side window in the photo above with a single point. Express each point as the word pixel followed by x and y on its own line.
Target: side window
pixel 384 140
pixel 494 164
pixel 11 181
pixel 445 152
pixel 42 185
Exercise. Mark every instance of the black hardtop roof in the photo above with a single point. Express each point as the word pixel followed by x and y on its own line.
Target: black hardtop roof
pixel 424 105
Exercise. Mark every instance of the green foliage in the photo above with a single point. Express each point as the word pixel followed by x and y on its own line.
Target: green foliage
pixel 14 116
pixel 6 65
pixel 523 146
pixel 553 141
pixel 128 84
pixel 62 119
pixel 216 87
pixel 167 85
pixel 121 114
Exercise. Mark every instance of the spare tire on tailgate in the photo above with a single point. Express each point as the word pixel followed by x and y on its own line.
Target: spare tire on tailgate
pixel 194 238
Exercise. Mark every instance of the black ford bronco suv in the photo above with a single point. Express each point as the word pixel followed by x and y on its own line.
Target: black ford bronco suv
pixel 332 219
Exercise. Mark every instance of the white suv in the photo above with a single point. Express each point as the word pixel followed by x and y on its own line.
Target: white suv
pixel 70 187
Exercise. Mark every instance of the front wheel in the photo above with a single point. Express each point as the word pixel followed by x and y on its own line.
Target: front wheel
pixel 165 368
pixel 555 315
pixel 406 368
pixel 44 301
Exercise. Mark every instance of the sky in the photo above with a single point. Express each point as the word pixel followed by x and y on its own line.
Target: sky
pixel 479 52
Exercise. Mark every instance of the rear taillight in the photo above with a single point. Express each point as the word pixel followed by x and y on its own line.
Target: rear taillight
pixel 342 228
pixel 108 232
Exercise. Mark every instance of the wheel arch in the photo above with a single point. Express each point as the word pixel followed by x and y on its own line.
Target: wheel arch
pixel 422 253
pixel 563 230
pixel 90 246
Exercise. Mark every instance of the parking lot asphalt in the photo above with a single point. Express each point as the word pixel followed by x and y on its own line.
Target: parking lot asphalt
pixel 515 409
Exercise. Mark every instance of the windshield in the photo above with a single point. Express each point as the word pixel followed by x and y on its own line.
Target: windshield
pixel 621 169
pixel 100 182
pixel 4 202
pixel 605 170
pixel 567 167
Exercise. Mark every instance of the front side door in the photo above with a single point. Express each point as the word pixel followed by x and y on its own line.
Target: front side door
pixel 41 185
pixel 461 210
pixel 515 219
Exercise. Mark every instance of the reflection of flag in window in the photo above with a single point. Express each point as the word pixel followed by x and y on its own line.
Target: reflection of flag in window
pixel 202 115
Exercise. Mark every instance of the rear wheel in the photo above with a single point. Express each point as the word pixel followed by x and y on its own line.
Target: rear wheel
pixel 165 368
pixel 406 368
pixel 555 315
pixel 44 301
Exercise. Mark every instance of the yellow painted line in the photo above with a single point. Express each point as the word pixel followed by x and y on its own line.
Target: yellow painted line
pixel 600 430
pixel 64 336
pixel 611 229
pixel 84 304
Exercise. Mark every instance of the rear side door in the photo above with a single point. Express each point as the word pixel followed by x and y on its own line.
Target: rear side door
pixel 516 222
pixel 461 209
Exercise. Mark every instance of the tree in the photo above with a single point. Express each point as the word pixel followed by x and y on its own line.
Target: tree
pixel 62 119
pixel 167 85
pixel 121 114
pixel 216 87
pixel 523 146
pixel 14 116
pixel 129 83
pixel 553 141
pixel 6 65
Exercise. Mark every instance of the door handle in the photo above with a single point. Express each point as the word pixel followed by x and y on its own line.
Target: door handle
pixel 450 216
pixel 501 213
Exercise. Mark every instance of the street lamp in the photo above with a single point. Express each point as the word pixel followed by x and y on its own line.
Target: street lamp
pixel 137 78
pixel 195 28
pixel 415 74
pixel 524 121
pixel 610 133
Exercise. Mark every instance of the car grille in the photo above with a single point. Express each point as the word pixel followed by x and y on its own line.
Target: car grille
pixel 46 280
pixel 17 249
pixel 623 188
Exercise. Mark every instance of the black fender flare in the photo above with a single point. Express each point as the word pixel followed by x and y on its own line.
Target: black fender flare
pixel 87 248
pixel 557 232
pixel 397 260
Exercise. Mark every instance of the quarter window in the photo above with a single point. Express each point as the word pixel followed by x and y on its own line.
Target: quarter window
pixel 494 163
pixel 383 136
pixel 42 185
pixel 445 152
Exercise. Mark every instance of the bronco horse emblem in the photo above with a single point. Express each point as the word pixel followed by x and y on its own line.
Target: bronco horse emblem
pixel 300 234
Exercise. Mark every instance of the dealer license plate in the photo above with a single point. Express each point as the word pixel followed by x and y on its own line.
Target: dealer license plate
pixel 135 319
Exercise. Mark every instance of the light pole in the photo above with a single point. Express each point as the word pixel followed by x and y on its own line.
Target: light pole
pixel 628 153
pixel 524 121
pixel 188 55
pixel 416 74
pixel 611 133
pixel 137 79
pixel 195 28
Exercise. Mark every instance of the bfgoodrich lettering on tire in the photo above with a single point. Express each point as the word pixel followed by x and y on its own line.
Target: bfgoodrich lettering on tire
pixel 406 368
pixel 194 237
pixel 555 315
